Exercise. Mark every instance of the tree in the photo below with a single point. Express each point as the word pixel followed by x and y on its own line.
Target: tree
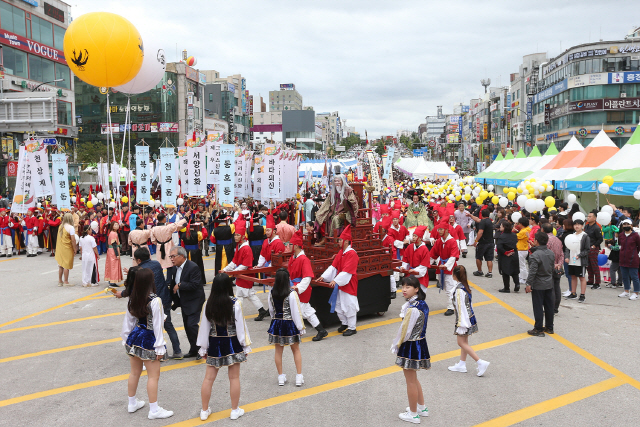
pixel 380 147
pixel 91 151
pixel 350 141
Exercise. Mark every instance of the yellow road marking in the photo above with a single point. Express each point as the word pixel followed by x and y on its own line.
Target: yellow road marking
pixel 11 259
pixel 61 322
pixel 182 365
pixel 49 309
pixel 261 404
pixel 590 357
pixel 552 404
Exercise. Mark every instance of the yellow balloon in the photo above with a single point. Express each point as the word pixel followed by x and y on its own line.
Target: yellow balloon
pixel 453 168
pixel 103 49
pixel 495 200
pixel 82 199
pixel 520 190
pixel 511 195
pixel 467 197
pixel 483 194
pixel 125 199
pixel 73 184
pixel 549 201
pixel 608 180
pixel 89 204
pixel 458 198
pixel 491 194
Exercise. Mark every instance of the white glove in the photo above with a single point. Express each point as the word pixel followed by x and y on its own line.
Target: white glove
pixel 432 240
pixel 24 224
pixel 35 228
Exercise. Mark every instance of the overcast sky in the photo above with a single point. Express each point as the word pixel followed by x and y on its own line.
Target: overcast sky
pixel 384 65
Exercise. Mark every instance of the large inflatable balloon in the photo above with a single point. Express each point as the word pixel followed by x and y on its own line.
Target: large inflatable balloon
pixel 150 74
pixel 103 49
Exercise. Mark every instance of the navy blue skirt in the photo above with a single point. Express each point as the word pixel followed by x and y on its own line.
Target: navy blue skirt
pixel 283 332
pixel 140 344
pixel 225 351
pixel 414 355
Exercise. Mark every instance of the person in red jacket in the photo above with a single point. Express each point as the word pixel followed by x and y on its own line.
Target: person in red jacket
pixel 384 213
pixel 41 227
pixel 272 244
pixel 31 233
pixel 6 245
pixel 387 242
pixel 445 253
pixel 301 272
pixel 54 224
pixel 343 273
pixel 399 234
pixel 243 260
pixel 416 258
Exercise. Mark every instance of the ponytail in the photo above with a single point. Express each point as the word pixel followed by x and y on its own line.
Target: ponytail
pixel 414 283
pixel 460 273
pixel 85 231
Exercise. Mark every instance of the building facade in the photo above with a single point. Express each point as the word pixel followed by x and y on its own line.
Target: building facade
pixel 287 98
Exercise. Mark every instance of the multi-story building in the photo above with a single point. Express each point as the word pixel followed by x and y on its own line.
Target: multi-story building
pixel 227 98
pixel 31 39
pixel 331 126
pixel 587 88
pixel 287 98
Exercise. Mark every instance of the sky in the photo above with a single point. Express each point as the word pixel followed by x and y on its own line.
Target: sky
pixel 383 65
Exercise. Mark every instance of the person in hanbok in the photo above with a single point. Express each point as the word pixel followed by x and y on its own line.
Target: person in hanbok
pixel 138 238
pixel 224 340
pixel 465 323
pixel 90 257
pixel 162 236
pixel 65 248
pixel 113 267
pixel 416 213
pixel 410 347
pixel 287 324
pixel 144 342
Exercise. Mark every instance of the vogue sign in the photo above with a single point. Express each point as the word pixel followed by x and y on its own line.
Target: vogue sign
pixel 27 45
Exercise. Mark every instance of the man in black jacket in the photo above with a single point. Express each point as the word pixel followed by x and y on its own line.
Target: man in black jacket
pixel 595 237
pixel 188 292
pixel 540 285
pixel 142 257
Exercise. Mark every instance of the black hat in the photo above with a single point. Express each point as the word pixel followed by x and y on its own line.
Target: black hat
pixel 318 199
pixel 415 192
pixel 222 216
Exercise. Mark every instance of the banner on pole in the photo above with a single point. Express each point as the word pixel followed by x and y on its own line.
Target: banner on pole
pixel 142 174
pixel 39 165
pixel 389 162
pixel 272 178
pixel 360 171
pixel 258 172
pixel 227 169
pixel 198 184
pixel 373 167
pixel 23 197
pixel 115 181
pixel 213 157
pixel 168 181
pixel 239 173
pixel 183 160
pixel 248 161
pixel 61 181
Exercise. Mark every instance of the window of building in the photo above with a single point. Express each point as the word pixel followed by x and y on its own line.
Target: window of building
pixel 41 31
pixel 15 61
pixel 64 113
pixel 62 72
pixel 210 97
pixel 12 19
pixel 615 117
pixel 597 65
pixel 41 69
pixel 58 37
pixel 588 66
pixel 581 67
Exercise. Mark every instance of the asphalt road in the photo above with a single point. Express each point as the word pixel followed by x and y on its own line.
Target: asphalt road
pixel 62 363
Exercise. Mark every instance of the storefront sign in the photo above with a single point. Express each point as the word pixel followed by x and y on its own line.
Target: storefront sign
pixel 551 91
pixel 588 80
pixel 27 45
pixel 622 104
pixel 626 77
pixel 53 12
pixel 191 74
pixel 547 114
pixel 12 169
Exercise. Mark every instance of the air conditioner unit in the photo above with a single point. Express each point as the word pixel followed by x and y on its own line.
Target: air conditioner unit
pixel 623 95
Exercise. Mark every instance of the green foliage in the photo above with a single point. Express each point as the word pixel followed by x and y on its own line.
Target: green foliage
pixel 91 152
pixel 380 147
pixel 350 141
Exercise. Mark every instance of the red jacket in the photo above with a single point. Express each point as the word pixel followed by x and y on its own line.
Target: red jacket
pixel 243 256
pixel 347 262
pixel 416 257
pixel 299 268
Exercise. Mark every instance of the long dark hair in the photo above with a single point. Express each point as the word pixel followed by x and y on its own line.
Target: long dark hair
pixel 282 286
pixel 460 273
pixel 85 231
pixel 219 308
pixel 143 286
pixel 414 283
pixel 131 277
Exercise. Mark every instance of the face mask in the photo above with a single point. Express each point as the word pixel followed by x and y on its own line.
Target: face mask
pixel 626 228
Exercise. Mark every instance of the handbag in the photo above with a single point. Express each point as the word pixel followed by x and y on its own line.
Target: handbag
pixel 472 237
pixel 558 271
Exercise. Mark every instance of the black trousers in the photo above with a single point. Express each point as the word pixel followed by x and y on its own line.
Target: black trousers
pixel 557 291
pixel 190 322
pixel 543 304
pixel 505 280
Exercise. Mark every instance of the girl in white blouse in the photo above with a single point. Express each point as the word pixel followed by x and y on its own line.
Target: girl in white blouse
pixel 144 342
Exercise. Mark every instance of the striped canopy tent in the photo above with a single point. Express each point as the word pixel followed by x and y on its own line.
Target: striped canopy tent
pixel 597 152
pixel 517 164
pixel 496 163
pixel 536 162
pixel 568 153
pixel 622 166
pixel 500 168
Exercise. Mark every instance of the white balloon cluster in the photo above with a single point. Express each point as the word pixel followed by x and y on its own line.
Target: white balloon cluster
pixel 151 72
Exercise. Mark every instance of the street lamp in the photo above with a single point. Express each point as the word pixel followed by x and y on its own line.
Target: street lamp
pixel 52 81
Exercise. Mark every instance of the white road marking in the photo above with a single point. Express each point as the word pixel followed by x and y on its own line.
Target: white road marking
pixel 49 272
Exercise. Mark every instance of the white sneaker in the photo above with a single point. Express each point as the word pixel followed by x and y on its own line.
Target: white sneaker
pixel 423 413
pixel 566 293
pixel 139 404
pixel 160 413
pixel 236 413
pixel 299 380
pixel 282 379
pixel 458 367
pixel 633 297
pixel 482 366
pixel 625 294
pixel 205 414
pixel 406 416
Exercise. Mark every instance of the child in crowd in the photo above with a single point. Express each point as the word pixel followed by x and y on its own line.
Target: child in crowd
pixel 410 347
pixel 614 268
pixel 465 323
pixel 224 340
pixel 89 250
pixel 287 325
pixel 143 340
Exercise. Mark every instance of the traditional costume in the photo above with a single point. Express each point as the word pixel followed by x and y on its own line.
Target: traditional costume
pixel 54 224
pixel 269 247
pixel 113 266
pixel 224 345
pixel 410 344
pixel 138 239
pixel 398 233
pixel 162 237
pixel 6 245
pixel 256 239
pixel 343 271
pixel 31 224
pixel 143 337
pixel 458 234
pixel 465 318
pixel 417 258
pixel 338 210
pixel 416 213
pixel 222 237
pixel 90 275
pixel 445 251
pixel 287 325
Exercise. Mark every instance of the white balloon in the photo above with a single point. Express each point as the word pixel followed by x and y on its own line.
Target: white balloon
pixel 467 190
pixel 608 209
pixel 490 188
pixel 503 202
pixel 180 201
pixel 521 200
pixel 39 205
pixel 572 242
pixel 112 205
pixel 94 226
pixel 603 188
pixel 540 205
pixel 100 196
pixel 636 195
pixel 603 218
pixel 158 203
pixel 579 215
pixel 525 191
pixel 530 205
pixel 73 199
pixel 516 216
pixel 151 72
pixel 571 198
